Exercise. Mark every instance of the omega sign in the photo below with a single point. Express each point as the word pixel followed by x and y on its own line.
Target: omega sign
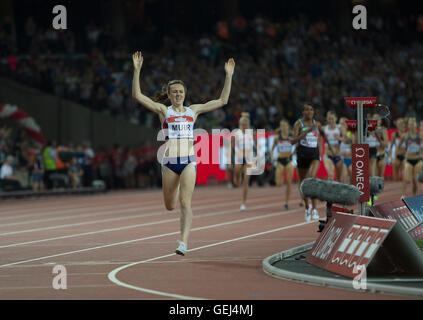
pixel 360 170
pixel 368 102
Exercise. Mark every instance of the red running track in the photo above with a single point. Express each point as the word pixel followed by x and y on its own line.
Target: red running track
pixel 120 246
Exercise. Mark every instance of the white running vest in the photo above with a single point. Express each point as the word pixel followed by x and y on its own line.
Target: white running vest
pixel 244 141
pixel 179 125
pixel 330 134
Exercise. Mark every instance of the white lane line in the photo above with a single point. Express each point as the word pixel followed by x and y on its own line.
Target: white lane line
pixel 43 208
pixel 112 275
pixel 50 287
pixel 216 213
pixel 118 263
pixel 126 227
pixel 51 210
pixel 71 205
pixel 135 206
pixel 92 214
pixel 136 198
pixel 61 211
pixel 82 264
pixel 116 219
pixel 135 226
pixel 149 238
pixel 141 207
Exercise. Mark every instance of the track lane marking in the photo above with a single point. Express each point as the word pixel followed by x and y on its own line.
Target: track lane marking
pixel 118 218
pixel 138 225
pixel 151 237
pixel 112 275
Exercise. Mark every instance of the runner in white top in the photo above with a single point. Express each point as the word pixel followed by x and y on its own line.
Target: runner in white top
pixel 244 151
pixel 179 166
pixel 333 159
pixel 283 141
pixel 179 125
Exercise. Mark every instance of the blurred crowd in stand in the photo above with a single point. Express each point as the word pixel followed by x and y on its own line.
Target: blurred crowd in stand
pixel 24 165
pixel 280 65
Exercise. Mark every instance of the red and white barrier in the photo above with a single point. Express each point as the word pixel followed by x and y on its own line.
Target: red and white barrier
pixel 8 111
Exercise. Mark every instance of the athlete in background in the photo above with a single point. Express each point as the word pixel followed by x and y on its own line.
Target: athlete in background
pixel 398 157
pixel 308 134
pixel 244 151
pixel 413 164
pixel 333 160
pixel 283 141
pixel 347 139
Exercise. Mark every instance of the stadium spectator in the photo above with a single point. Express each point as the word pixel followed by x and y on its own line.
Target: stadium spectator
pixel 8 179
pixel 80 156
pixel 75 173
pixel 88 167
pixel 115 102
pixel 117 157
pixel 128 170
pixel 299 60
pixel 37 170
pixel 49 157
pixel 102 167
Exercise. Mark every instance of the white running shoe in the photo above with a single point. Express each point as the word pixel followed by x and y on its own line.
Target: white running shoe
pixel 307 215
pixel 243 207
pixel 181 249
pixel 315 214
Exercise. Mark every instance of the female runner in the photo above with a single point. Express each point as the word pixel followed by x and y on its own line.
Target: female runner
pixel 413 164
pixel 345 148
pixel 332 159
pixel 244 150
pixel 309 134
pixel 383 141
pixel 373 143
pixel 398 159
pixel 179 162
pixel 283 140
